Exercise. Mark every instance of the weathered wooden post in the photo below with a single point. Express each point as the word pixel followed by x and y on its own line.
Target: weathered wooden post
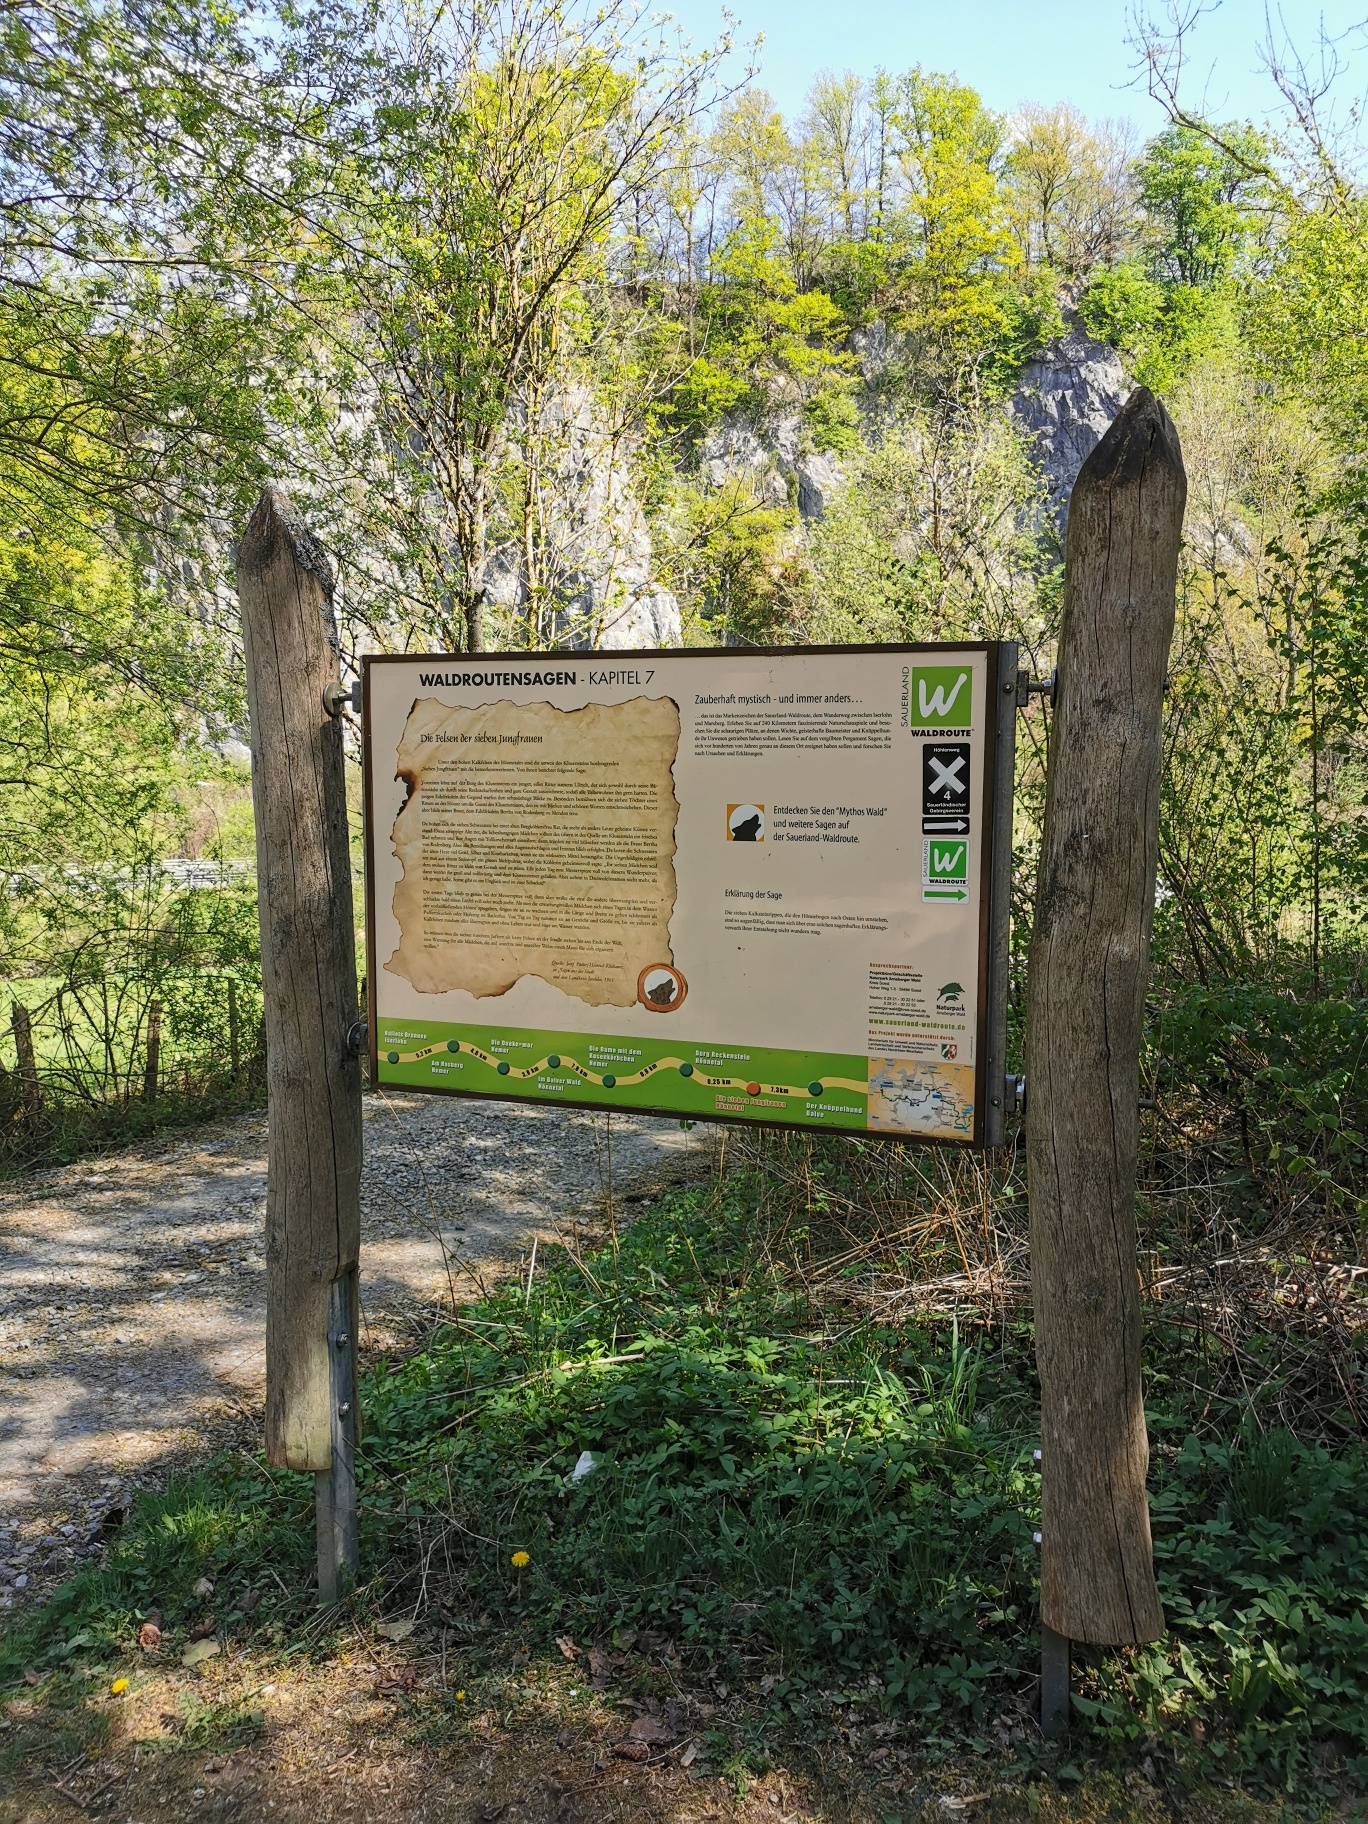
pixel 30 1090
pixel 1089 965
pixel 152 1066
pixel 308 972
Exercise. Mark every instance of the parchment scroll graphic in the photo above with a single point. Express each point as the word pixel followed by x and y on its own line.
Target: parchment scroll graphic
pixel 536 841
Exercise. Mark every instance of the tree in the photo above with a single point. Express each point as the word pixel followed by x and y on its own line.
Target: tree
pixel 837 134
pixel 140 181
pixel 1200 195
pixel 513 141
pixel 949 150
pixel 1071 189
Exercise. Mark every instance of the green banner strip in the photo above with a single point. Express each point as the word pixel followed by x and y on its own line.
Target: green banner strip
pixel 829 1089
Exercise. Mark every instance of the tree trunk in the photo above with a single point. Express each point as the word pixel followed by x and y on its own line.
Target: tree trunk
pixel 308 970
pixel 1089 965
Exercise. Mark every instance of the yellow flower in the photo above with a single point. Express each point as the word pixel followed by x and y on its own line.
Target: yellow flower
pixel 118 1688
pixel 460 1697
pixel 520 1559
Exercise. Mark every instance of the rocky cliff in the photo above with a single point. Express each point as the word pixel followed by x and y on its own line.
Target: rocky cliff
pixel 1064 402
pixel 595 558
pixel 774 458
pixel 593 554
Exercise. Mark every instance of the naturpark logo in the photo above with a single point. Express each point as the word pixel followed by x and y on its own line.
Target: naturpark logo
pixel 942 696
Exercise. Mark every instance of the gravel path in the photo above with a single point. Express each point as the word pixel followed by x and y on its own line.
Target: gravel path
pixel 132 1287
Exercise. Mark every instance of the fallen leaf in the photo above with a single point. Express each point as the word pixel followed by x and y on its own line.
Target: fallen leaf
pixel 250 1599
pixel 689 1756
pixel 202 1629
pixel 31 1677
pixel 204 1587
pixel 629 1750
pixel 149 1635
pixel 652 1730
pixel 568 1648
pixel 603 1664
pixel 215 1765
pixel 198 1651
pixel 395 1630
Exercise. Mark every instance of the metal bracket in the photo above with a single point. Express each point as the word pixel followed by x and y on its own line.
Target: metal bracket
pixel 356 1041
pixel 1054 1684
pixel 1028 687
pixel 341 699
pixel 1014 1096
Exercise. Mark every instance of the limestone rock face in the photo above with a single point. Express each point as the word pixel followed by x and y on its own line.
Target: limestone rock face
pixel 1064 403
pixel 818 477
pixel 770 456
pixel 595 557
pixel 735 451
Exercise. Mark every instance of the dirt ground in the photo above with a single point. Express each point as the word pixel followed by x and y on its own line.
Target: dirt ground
pixel 132 1287
pixel 376 1731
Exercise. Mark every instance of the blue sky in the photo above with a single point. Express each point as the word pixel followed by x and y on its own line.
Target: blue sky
pixel 1020 50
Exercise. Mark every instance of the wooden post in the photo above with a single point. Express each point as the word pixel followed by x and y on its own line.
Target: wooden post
pixel 1089 965
pixel 30 1091
pixel 308 970
pixel 152 1067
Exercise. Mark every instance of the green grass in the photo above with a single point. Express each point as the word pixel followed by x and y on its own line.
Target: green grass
pixel 834 1513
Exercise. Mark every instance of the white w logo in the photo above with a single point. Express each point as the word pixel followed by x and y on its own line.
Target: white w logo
pixel 938 704
pixel 945 861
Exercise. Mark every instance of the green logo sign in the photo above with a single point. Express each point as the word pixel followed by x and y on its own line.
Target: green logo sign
pixel 941 697
pixel 945 869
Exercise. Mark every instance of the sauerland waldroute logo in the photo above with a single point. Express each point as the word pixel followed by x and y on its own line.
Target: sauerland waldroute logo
pixel 941 696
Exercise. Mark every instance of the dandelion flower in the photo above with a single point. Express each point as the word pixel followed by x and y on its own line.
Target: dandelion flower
pixel 118 1688
pixel 521 1560
pixel 460 1697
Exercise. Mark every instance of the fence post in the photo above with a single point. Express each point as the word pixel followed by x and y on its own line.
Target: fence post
pixel 30 1093
pixel 1089 965
pixel 308 969
pixel 152 1067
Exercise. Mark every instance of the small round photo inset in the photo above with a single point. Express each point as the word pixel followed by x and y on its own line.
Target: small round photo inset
pixel 661 988
pixel 745 823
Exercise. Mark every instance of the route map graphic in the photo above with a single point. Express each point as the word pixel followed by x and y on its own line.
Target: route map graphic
pixel 607 1079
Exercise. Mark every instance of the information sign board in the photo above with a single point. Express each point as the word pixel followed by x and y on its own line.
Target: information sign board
pixel 761 886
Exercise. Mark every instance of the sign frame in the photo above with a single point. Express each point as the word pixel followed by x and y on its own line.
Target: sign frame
pixel 994 847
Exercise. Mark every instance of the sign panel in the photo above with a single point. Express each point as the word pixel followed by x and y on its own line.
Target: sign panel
pixel 738 885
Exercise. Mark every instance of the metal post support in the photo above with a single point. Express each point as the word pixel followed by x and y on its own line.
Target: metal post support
pixel 1054 1683
pixel 335 1488
pixel 1004 714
